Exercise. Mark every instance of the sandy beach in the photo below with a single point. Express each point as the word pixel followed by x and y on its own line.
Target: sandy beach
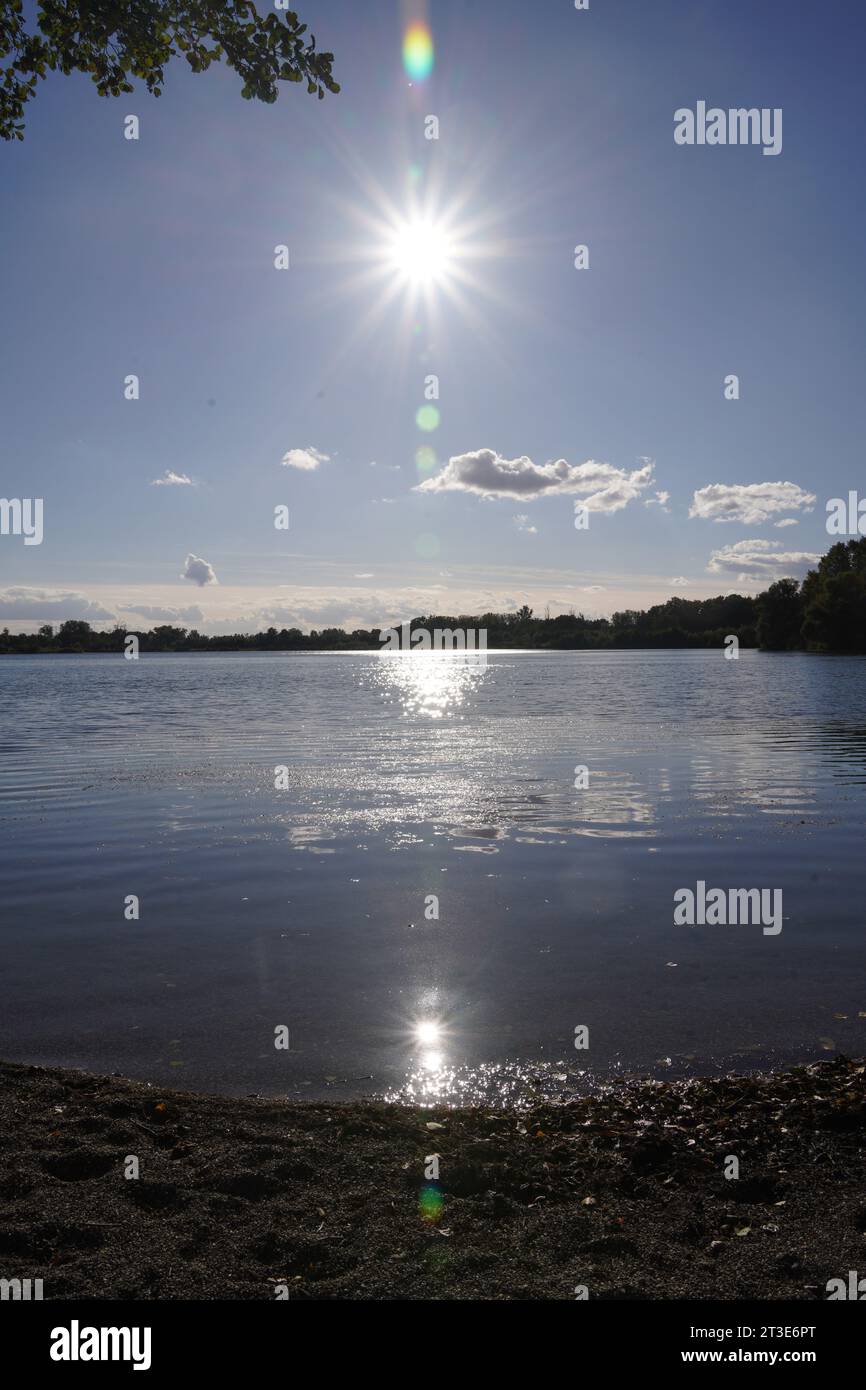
pixel 622 1194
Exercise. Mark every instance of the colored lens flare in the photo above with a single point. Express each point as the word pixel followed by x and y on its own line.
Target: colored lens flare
pixel 425 459
pixel 430 1204
pixel 418 51
pixel 427 418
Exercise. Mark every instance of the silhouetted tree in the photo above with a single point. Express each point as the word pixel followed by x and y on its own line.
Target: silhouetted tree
pixel 780 616
pixel 835 600
pixel 74 633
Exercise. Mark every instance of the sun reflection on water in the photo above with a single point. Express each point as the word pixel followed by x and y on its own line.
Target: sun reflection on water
pixel 433 1078
pixel 517 1085
pixel 430 684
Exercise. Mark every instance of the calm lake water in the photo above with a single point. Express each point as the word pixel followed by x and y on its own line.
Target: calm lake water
pixel 409 777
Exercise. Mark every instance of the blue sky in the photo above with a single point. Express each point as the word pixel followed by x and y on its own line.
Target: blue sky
pixel 156 258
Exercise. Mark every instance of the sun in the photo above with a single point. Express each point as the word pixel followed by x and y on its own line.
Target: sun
pixel 421 252
pixel 426 261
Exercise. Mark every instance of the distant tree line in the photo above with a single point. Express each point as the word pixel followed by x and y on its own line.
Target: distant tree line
pixel 824 613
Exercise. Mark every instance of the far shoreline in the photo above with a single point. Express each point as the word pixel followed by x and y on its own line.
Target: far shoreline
pixel 378 651
pixel 824 613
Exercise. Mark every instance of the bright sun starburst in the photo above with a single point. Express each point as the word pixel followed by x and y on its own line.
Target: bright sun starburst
pixel 423 262
pixel 421 251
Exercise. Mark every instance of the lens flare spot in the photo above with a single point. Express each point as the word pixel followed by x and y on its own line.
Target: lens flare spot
pixel 430 1204
pixel 425 459
pixel 418 51
pixel 427 418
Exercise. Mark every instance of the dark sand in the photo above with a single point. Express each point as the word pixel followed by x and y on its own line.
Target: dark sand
pixel 623 1193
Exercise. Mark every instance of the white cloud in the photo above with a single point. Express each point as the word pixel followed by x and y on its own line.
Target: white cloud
pixel 661 499
pixel 680 582
pixel 522 524
pixel 764 560
pixel 305 459
pixel 172 479
pixel 787 521
pixel 749 503
pixel 198 571
pixel 487 474
pixel 352 611
pixel 594 589
pixel 366 574
pixel 50 604
pixel 167 615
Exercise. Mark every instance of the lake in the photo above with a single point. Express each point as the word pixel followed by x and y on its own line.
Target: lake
pixel 306 899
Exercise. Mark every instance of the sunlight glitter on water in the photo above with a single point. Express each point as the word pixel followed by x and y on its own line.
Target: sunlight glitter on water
pixel 409 778
pixel 513 1084
pixel 430 684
